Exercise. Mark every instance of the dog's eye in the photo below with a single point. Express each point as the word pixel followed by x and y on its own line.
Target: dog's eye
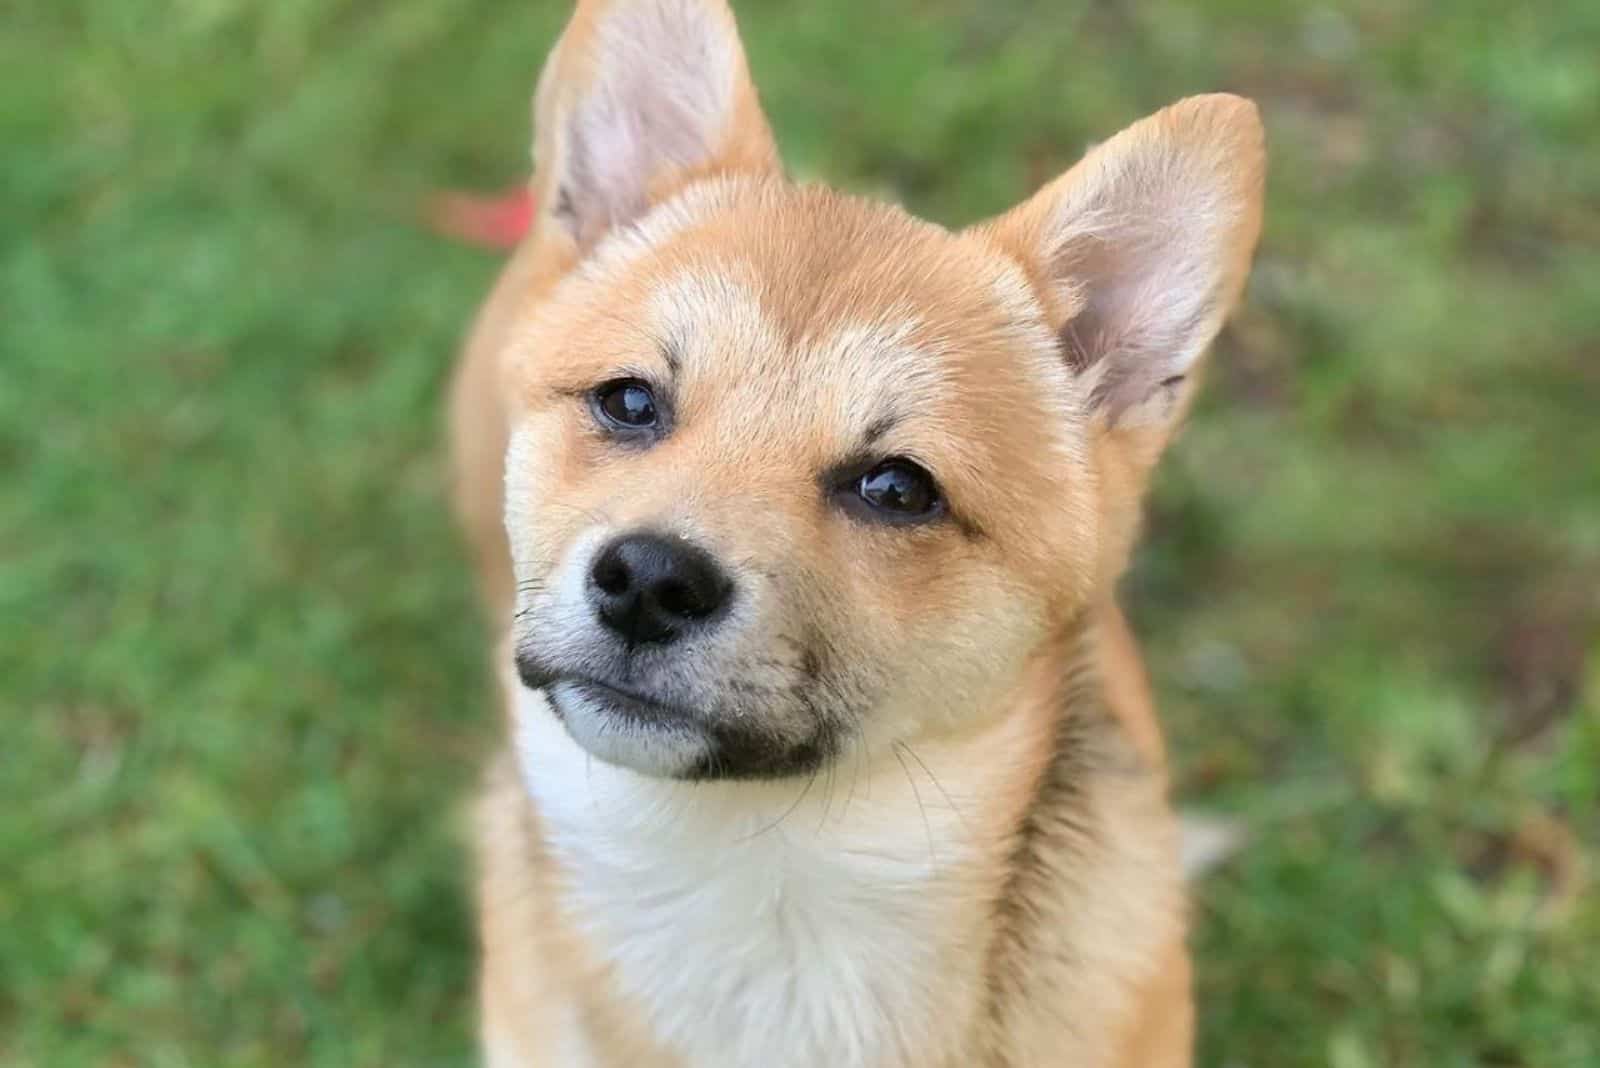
pixel 900 489
pixel 626 403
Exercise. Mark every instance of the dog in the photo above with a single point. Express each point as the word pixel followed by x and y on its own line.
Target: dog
pixel 799 520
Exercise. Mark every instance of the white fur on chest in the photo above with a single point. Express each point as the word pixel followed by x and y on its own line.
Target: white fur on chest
pixel 839 922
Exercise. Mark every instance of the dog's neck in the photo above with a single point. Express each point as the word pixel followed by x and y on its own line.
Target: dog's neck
pixel 859 917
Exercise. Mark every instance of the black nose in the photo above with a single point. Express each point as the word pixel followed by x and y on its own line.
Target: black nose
pixel 653 587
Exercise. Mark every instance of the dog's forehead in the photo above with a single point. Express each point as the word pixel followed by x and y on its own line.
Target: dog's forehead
pixel 834 295
pixel 719 318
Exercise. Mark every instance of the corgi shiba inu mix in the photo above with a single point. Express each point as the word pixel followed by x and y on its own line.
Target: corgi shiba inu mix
pixel 801 518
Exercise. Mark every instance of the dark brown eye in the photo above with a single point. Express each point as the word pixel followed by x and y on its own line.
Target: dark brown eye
pixel 626 403
pixel 900 489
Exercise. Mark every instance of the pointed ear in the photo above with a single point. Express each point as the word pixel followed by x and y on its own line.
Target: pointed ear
pixel 1141 250
pixel 639 97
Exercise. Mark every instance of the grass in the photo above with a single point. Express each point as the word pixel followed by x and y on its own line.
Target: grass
pixel 240 672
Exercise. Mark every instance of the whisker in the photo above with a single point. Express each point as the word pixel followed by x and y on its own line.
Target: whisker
pixel 786 812
pixel 858 741
pixel 926 826
pixel 827 797
pixel 912 753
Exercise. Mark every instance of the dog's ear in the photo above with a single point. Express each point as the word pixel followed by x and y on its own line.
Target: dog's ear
pixel 1140 252
pixel 639 97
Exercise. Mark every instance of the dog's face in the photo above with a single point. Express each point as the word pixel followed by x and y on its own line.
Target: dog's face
pixel 792 472
pixel 789 467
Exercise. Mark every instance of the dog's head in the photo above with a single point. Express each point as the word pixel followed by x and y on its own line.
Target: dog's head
pixel 791 470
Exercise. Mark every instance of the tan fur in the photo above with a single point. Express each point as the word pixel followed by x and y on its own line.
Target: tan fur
pixel 788 306
pixel 479 417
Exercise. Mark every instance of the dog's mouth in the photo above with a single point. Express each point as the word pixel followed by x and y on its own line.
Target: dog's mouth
pixel 665 739
pixel 626 705
pixel 629 706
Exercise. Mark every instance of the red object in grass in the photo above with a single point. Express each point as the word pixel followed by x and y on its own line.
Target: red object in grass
pixel 488 221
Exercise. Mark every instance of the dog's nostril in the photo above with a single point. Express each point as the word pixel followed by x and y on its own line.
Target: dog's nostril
pixel 686 600
pixel 611 574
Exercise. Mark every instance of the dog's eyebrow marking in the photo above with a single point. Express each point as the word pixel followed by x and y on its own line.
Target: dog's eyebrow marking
pixel 879 428
pixel 672 354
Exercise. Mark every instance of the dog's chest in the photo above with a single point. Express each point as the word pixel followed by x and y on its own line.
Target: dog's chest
pixel 776 959
pixel 814 941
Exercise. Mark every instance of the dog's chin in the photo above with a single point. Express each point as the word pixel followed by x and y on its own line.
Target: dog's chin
pixel 620 729
pixel 667 742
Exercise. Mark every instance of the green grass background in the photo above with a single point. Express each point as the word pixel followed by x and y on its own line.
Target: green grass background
pixel 240 673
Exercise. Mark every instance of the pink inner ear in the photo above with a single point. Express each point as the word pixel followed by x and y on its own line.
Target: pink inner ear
pixel 498 222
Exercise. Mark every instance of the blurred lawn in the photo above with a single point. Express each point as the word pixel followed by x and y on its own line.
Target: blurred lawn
pixel 239 666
